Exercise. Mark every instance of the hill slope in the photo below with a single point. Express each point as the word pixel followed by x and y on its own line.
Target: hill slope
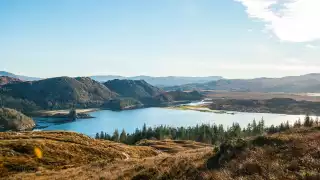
pixel 295 84
pixel 293 154
pixel 60 92
pixel 59 150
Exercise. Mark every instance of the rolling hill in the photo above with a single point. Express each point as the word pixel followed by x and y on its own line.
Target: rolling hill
pixel 290 84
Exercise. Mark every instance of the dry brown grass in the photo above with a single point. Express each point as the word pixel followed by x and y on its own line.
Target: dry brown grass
pixel 60 150
pixel 294 154
pixel 172 146
pixel 291 155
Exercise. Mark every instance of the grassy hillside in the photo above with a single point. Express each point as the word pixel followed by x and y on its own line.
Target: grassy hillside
pixel 60 150
pixel 293 154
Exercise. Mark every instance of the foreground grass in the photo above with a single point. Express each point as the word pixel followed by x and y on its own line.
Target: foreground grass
pixel 293 154
pixel 60 150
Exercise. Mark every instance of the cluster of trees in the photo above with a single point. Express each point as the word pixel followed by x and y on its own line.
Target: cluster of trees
pixel 308 122
pixel 211 134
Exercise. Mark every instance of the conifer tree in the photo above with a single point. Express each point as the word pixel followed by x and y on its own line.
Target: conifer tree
pixel 123 136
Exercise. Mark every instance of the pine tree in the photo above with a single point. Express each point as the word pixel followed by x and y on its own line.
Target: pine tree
pixel 297 124
pixel 123 136
pixel 101 135
pixel 254 127
pixel 115 136
pixel 307 121
pixel 144 131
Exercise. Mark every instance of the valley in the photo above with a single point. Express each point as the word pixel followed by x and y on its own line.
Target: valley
pixel 190 134
pixel 159 90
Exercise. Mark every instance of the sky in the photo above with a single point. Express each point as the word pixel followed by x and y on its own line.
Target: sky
pixel 229 38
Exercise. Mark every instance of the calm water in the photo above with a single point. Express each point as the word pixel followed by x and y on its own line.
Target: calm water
pixel 108 121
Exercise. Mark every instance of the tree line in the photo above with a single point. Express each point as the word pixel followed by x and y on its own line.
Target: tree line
pixel 211 134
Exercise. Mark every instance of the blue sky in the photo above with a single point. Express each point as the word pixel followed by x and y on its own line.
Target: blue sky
pixel 231 38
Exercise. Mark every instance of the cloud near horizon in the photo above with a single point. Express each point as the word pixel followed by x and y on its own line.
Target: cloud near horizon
pixel 289 20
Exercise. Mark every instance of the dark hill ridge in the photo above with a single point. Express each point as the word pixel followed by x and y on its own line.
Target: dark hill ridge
pixel 291 84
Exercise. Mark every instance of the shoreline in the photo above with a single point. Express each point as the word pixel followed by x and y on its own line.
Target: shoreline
pixel 198 108
pixel 81 113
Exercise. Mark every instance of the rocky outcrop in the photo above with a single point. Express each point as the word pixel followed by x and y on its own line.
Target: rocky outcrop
pixel 11 119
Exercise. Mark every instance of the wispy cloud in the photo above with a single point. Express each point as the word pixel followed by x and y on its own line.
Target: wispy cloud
pixel 310 46
pixel 270 67
pixel 289 20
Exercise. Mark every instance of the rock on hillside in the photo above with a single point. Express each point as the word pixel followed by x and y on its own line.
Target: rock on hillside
pixel 13 120
pixel 60 92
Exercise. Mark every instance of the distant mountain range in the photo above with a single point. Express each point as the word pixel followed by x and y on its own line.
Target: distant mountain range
pixel 293 84
pixel 24 78
pixel 290 84
pixel 156 81
pixel 161 81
